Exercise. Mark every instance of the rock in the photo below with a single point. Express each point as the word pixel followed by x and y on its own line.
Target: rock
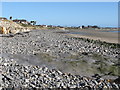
pixel 117 80
pixel 8 26
pixel 3 30
pixel 25 72
pixel 84 53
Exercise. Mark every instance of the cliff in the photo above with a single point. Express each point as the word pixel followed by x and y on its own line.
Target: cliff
pixel 8 26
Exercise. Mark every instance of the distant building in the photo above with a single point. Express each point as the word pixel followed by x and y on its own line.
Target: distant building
pixel 93 27
pixel 22 21
pixel 60 26
pixel 49 26
pixel 89 27
pixel 82 27
pixel 3 18
pixel 44 26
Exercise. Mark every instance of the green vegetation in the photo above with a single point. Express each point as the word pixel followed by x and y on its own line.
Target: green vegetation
pixel 45 56
pixel 114 69
pixel 99 57
pixel 76 57
pixel 10 17
pixel 25 25
pixel 7 20
pixel 101 64
pixel 79 63
pixel 51 27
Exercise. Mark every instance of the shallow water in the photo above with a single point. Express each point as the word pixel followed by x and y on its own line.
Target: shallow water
pixel 112 31
pixel 83 33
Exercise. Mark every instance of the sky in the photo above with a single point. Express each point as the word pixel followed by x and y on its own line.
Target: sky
pixel 103 14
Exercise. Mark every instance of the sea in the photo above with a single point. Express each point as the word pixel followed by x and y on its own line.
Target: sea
pixel 112 31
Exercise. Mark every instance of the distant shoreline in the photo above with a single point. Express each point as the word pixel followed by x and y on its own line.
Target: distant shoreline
pixel 103 35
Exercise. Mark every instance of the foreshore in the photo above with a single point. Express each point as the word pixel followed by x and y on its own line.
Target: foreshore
pixel 102 35
pixel 56 55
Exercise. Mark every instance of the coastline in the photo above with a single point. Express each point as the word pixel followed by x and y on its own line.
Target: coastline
pixel 110 37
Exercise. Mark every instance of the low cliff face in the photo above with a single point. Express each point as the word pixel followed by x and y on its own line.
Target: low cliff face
pixel 7 26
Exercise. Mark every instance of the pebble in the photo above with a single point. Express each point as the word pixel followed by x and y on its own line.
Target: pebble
pixel 53 43
pixel 43 77
pixel 14 74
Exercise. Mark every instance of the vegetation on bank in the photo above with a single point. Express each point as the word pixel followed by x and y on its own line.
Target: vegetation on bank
pixel 101 64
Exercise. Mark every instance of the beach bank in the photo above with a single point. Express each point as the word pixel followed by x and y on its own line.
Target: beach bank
pixel 54 50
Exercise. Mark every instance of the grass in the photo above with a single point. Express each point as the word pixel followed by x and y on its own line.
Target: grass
pixel 100 66
pixel 51 28
pixel 104 67
pixel 80 63
pixel 45 57
pixel 76 57
pixel 99 57
pixel 7 20
pixel 114 69
pixel 24 25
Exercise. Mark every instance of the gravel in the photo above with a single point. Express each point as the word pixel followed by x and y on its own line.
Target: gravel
pixel 16 75
pixel 59 46
pixel 53 43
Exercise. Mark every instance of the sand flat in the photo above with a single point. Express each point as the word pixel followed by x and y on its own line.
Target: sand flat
pixel 103 35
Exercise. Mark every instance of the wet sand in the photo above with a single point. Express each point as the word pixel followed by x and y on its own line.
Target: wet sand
pixel 103 35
